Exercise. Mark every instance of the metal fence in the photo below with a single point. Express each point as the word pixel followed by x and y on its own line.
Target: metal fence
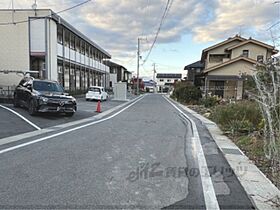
pixel 7 92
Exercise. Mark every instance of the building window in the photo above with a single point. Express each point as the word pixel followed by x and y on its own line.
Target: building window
pixel 67 39
pixel 78 45
pixel 72 42
pixel 260 58
pixel 245 53
pixel 218 58
pixel 59 35
pixel 83 47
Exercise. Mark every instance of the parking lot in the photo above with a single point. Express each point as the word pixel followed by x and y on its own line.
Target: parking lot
pixel 11 124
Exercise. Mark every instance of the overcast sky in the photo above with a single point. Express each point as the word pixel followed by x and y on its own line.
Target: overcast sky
pixel 190 26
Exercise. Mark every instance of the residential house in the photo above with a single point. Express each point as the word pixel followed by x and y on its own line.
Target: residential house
pixel 227 64
pixel 40 40
pixel 166 81
pixel 118 73
pixel 195 73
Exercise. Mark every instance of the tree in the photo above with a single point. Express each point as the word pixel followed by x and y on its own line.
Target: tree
pixel 267 79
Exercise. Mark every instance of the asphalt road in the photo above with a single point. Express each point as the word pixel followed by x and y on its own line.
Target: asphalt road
pixel 141 157
pixel 15 125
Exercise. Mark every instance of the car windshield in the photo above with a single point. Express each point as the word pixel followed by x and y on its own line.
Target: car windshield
pixel 47 86
pixel 94 89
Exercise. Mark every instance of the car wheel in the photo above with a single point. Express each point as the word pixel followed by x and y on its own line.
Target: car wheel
pixel 69 114
pixel 87 99
pixel 16 103
pixel 31 108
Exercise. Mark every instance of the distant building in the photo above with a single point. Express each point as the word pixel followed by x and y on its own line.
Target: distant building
pixel 166 81
pixel 42 41
pixel 118 73
pixel 149 85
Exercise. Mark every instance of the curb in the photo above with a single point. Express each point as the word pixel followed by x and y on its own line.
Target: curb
pixel 258 187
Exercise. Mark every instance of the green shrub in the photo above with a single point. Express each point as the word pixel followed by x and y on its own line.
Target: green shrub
pixel 187 94
pixel 242 117
pixel 210 101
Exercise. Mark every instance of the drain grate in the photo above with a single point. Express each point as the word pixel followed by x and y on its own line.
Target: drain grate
pixel 231 151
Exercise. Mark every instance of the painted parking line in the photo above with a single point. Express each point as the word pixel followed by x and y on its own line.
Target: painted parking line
pixel 210 198
pixel 69 130
pixel 22 117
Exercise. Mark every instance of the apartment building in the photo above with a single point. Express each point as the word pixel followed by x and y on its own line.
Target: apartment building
pixel 118 73
pixel 226 65
pixel 40 40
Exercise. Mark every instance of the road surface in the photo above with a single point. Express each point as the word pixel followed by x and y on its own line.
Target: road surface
pixel 147 156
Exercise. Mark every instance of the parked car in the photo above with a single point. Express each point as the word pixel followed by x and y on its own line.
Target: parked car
pixel 43 96
pixel 96 93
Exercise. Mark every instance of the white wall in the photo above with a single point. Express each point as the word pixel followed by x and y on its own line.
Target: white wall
pixel 113 79
pixel 52 50
pixel 37 36
pixel 14 44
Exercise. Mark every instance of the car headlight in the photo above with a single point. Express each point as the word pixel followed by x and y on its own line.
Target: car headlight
pixel 73 100
pixel 43 99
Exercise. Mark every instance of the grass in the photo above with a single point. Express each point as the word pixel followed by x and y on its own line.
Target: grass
pixel 243 123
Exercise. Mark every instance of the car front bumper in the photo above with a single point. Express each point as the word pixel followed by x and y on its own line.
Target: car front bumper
pixel 59 107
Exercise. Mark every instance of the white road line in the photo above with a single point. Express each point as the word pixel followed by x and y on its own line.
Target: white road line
pixel 22 117
pixel 210 198
pixel 69 130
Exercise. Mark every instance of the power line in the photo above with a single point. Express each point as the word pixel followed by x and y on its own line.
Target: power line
pixel 61 11
pixel 73 7
pixel 167 9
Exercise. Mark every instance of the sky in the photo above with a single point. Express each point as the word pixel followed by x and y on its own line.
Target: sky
pixel 190 27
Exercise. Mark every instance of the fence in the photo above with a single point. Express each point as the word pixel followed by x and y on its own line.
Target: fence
pixel 6 93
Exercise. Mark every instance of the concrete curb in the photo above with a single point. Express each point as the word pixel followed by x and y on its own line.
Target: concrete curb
pixel 258 187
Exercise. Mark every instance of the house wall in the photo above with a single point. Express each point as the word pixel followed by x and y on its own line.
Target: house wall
pixel 113 79
pixel 14 44
pixel 239 89
pixel 230 89
pixel 218 50
pixel 254 51
pixel 165 80
pixel 234 69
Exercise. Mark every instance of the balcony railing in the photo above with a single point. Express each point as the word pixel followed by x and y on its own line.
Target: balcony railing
pixel 80 58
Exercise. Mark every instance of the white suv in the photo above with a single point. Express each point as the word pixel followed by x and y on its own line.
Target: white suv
pixel 96 93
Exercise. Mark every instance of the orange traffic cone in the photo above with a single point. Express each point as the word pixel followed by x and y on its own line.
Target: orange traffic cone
pixel 98 108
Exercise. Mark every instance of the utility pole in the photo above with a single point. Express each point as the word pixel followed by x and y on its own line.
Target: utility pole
pixel 138 56
pixel 154 77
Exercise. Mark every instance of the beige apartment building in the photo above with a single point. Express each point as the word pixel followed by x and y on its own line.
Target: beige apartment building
pixel 40 40
pixel 225 64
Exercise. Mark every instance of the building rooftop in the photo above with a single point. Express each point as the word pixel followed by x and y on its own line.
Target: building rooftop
pixel 169 75
pixel 197 64
pixel 112 64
